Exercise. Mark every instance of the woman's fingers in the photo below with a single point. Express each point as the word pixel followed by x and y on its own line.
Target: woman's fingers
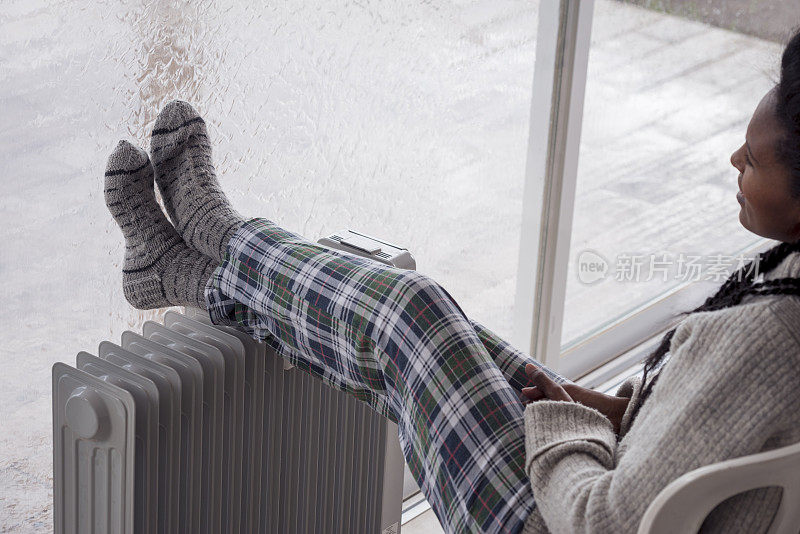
pixel 533 394
pixel 551 389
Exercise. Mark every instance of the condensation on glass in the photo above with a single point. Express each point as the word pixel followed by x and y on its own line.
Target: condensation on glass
pixel 405 120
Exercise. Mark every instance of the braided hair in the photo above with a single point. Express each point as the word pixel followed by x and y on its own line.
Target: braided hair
pixel 742 282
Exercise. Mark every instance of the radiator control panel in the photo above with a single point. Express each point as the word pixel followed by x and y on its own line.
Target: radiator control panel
pixel 370 247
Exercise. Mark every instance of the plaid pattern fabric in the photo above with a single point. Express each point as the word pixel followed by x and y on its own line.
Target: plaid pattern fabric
pixel 397 340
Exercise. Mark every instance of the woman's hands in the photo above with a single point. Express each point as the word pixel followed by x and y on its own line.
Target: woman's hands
pixel 546 388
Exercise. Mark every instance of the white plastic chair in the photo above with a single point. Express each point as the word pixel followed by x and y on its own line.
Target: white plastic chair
pixel 684 503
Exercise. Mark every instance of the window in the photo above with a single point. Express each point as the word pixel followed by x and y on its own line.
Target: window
pixel 404 120
pixel 646 224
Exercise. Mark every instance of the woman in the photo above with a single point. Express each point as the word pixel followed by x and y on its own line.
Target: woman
pixel 571 460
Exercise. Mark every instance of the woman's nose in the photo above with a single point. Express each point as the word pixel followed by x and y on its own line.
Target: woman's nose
pixel 736 159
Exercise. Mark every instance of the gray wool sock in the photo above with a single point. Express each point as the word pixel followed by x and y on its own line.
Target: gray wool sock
pixel 159 268
pixel 185 176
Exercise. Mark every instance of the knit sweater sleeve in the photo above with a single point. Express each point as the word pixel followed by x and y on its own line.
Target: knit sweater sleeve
pixel 632 390
pixel 730 385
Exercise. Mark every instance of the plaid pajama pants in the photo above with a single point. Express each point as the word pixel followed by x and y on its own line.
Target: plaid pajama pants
pixel 397 340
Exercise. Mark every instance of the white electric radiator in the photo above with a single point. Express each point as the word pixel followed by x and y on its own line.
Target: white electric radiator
pixel 193 428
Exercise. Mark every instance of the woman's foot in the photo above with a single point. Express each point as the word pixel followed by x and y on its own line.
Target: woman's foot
pixel 186 178
pixel 159 269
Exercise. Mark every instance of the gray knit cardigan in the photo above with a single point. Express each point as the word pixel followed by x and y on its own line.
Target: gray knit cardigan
pixel 731 387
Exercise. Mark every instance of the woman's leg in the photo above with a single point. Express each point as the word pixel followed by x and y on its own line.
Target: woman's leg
pixel 397 340
pixel 394 338
pixel 510 360
pixel 206 221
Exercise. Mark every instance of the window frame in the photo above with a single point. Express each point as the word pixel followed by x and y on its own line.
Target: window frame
pixel 559 82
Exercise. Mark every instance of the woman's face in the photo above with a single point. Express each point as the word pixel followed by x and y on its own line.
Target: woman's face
pixel 767 207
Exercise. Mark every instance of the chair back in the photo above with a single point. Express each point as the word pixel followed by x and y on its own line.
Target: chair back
pixel 686 502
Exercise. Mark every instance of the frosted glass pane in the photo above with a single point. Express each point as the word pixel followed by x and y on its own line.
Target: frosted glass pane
pixel 667 101
pixel 405 120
